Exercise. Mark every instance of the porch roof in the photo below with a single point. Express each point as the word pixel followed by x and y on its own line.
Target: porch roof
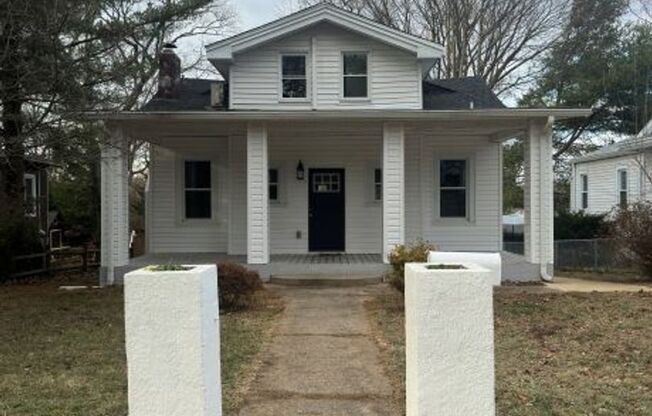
pixel 362 115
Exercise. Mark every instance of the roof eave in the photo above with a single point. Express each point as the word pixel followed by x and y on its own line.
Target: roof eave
pixel 405 115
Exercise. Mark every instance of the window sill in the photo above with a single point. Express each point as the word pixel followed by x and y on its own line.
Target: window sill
pixel 355 100
pixel 294 100
pixel 453 222
pixel 197 222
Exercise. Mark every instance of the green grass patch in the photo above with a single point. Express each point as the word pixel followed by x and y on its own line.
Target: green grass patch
pixel 556 353
pixel 62 353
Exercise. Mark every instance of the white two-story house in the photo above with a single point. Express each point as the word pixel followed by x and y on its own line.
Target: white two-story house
pixel 613 176
pixel 326 142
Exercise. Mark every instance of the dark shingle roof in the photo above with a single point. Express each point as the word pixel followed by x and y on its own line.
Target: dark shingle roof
pixel 458 93
pixel 439 94
pixel 194 95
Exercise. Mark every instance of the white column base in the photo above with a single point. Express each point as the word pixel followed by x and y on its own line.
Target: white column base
pixel 173 342
pixel 449 341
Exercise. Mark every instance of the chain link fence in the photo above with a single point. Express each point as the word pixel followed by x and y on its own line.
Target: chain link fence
pixel 596 255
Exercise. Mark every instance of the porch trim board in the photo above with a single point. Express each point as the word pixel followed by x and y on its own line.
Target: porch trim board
pixel 539 196
pixel 393 187
pixel 115 206
pixel 257 194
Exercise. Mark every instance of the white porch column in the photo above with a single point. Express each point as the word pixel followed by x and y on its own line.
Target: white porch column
pixel 539 198
pixel 115 206
pixel 257 198
pixel 393 187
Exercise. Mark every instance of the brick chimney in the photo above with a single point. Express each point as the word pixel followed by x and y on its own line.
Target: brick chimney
pixel 169 72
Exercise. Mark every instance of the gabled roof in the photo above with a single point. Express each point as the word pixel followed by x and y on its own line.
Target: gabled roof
pixel 633 145
pixel 630 146
pixel 459 94
pixel 223 50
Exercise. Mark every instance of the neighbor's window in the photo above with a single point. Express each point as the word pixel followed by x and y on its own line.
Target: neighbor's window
pixel 378 184
pixel 273 185
pixel 622 188
pixel 29 181
pixel 453 187
pixel 584 182
pixel 355 75
pixel 198 189
pixel 294 81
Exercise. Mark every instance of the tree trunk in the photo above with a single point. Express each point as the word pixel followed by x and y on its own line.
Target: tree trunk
pixel 13 166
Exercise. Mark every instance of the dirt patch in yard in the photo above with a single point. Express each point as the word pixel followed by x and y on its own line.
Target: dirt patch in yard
pixel 556 353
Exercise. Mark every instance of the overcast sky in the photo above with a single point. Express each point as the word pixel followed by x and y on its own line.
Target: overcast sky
pixel 257 12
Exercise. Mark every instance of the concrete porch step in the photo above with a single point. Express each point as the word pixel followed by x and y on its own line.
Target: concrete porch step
pixel 325 279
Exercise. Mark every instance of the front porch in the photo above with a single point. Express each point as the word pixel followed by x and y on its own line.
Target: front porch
pixel 388 170
pixel 515 267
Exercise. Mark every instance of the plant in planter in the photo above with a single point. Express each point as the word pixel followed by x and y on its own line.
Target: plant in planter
pixel 445 267
pixel 168 268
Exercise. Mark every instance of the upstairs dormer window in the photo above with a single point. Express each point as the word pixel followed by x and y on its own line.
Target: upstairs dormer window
pixel 355 75
pixel 294 82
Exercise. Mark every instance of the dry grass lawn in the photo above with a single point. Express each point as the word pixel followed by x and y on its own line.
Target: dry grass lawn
pixel 62 353
pixel 556 353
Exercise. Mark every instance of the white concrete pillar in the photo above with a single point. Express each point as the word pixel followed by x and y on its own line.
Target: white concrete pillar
pixel 393 187
pixel 449 328
pixel 539 195
pixel 173 342
pixel 115 206
pixel 257 195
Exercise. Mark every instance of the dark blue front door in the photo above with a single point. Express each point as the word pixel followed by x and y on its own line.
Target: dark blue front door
pixel 326 210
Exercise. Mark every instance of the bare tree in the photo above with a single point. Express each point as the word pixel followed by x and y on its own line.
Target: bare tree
pixel 497 40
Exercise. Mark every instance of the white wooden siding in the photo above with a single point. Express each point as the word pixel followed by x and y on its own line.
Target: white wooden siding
pixel 479 233
pixel 395 80
pixel 357 148
pixel 603 183
pixel 168 231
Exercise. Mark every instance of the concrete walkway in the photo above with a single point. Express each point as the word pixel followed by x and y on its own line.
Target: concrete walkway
pixel 567 284
pixel 322 359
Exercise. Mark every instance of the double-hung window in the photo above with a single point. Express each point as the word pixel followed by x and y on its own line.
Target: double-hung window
pixel 453 188
pixel 294 82
pixel 198 189
pixel 584 192
pixel 273 185
pixel 622 188
pixel 355 75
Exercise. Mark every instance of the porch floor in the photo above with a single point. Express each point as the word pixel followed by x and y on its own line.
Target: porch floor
pixel 515 268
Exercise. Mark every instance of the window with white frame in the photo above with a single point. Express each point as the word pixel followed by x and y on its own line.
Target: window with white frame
pixel 273 179
pixel 31 194
pixel 378 184
pixel 355 75
pixel 453 188
pixel 294 81
pixel 622 188
pixel 584 191
pixel 197 189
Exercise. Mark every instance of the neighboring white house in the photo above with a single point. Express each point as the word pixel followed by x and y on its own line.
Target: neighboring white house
pixel 327 135
pixel 614 175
